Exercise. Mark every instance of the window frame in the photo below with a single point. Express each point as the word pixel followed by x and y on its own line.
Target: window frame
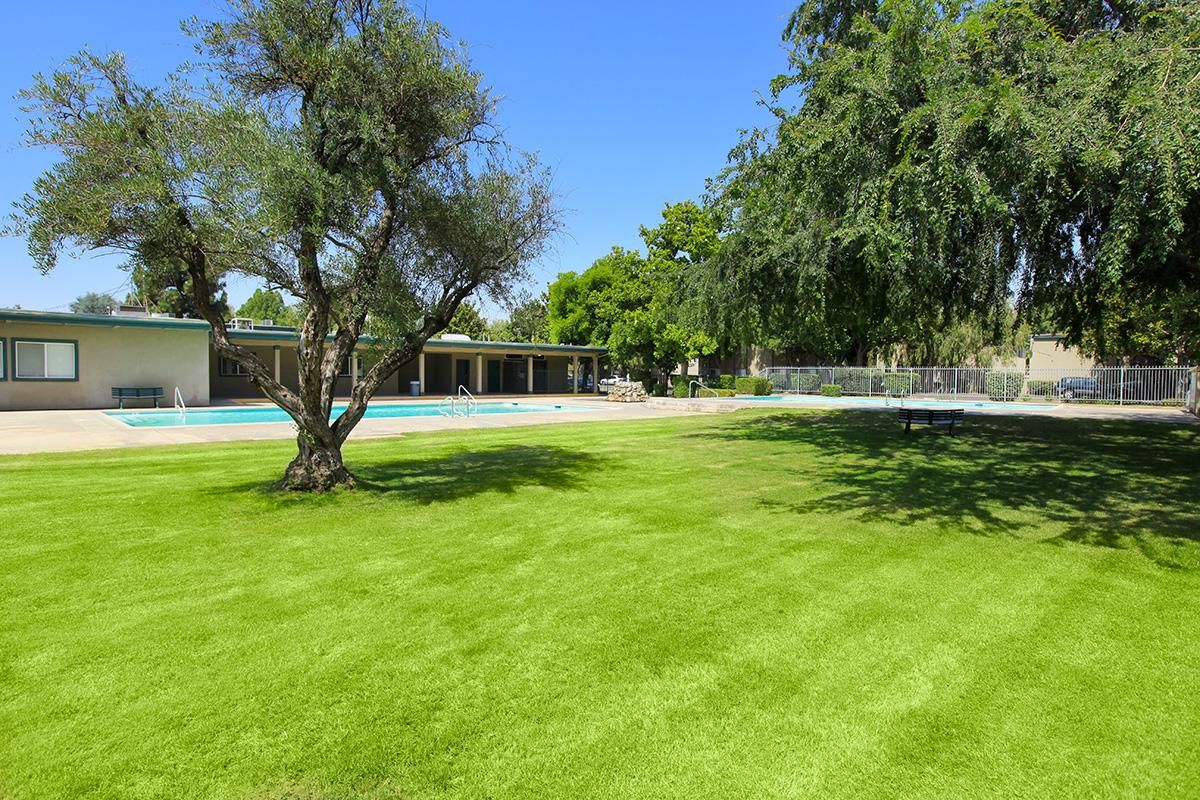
pixel 346 366
pixel 238 369
pixel 3 359
pixel 16 365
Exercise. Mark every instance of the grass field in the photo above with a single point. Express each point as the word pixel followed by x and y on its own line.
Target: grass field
pixel 758 604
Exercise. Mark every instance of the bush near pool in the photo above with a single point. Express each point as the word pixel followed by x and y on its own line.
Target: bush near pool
pixel 831 390
pixel 899 382
pixel 727 382
pixel 1003 385
pixel 755 386
pixel 853 381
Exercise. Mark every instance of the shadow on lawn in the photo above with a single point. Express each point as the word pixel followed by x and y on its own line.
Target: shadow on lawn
pixel 469 472
pixel 448 477
pixel 1105 483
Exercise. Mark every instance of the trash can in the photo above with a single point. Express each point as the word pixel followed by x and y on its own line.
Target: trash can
pixel 414 388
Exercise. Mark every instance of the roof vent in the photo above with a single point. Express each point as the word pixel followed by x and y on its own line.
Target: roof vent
pixel 455 337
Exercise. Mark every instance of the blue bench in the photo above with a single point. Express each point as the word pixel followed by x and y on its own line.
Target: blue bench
pixel 123 393
pixel 930 416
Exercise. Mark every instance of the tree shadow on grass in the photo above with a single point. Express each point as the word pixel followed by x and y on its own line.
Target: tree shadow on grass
pixel 1108 483
pixel 455 475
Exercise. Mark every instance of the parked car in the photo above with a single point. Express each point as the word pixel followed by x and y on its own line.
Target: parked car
pixel 1078 389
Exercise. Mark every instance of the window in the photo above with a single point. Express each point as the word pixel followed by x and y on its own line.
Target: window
pixel 3 363
pixel 228 368
pixel 345 371
pixel 45 360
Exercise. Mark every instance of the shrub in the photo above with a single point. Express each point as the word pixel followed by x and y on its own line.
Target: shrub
pixel 755 386
pixel 727 382
pixel 658 390
pixel 725 392
pixel 899 382
pixel 684 380
pixel 853 380
pixel 1003 385
pixel 681 390
pixel 808 382
pixel 831 390
pixel 1040 388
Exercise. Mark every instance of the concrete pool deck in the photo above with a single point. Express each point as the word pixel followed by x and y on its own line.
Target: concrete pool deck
pixel 23 432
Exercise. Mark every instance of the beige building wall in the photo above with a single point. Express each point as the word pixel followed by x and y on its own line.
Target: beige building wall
pixel 108 357
pixel 1048 352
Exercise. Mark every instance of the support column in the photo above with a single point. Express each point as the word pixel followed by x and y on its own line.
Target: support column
pixel 353 370
pixel 421 370
pixel 479 373
pixel 277 370
pixel 574 374
pixel 529 374
pixel 595 374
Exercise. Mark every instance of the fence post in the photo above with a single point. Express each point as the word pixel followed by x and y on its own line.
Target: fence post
pixel 1121 390
pixel 956 384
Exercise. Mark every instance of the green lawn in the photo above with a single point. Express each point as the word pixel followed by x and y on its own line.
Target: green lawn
pixel 757 604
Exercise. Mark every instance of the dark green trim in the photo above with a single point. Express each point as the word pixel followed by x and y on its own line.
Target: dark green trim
pixel 30 340
pixel 101 320
pixel 3 359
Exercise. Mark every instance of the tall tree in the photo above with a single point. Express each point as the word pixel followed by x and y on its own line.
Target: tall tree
pixel 468 321
pixel 94 303
pixel 268 304
pixel 528 321
pixel 342 150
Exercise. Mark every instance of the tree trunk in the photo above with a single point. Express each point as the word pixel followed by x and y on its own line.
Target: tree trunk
pixel 316 468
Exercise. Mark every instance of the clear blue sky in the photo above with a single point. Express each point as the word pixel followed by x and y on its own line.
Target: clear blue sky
pixel 633 104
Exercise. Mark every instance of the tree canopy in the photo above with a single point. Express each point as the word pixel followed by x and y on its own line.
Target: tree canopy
pixel 269 304
pixel 343 151
pixel 94 303
pixel 638 306
pixel 943 154
pixel 469 322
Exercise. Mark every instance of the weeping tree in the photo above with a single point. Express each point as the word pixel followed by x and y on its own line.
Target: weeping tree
pixel 343 151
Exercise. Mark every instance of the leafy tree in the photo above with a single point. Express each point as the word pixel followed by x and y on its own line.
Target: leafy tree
pixel 944 152
pixel 94 303
pixel 166 288
pixel 529 319
pixel 342 151
pixel 467 321
pixel 268 304
pixel 631 304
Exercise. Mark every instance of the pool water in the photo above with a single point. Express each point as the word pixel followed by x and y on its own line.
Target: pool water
pixel 235 416
pixel 880 402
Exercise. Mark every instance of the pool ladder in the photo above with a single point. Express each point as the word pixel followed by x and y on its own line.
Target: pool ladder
pixel 462 405
pixel 701 388
pixel 180 406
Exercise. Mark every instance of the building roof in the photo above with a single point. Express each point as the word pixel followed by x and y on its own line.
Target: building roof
pixel 274 333
pixel 103 320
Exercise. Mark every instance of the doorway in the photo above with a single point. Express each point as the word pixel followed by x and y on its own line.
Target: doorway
pixel 462 373
pixel 493 377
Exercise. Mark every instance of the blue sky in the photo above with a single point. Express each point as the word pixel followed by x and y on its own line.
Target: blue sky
pixel 632 104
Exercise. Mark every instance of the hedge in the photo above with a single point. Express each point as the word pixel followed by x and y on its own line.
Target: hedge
pixel 899 382
pixel 853 381
pixel 1003 385
pixel 754 386
pixel 727 382
pixel 831 390
pixel 681 390
pixel 1039 388
pixel 725 392
pixel 808 382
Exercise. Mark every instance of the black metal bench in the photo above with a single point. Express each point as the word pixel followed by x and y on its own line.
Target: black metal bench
pixel 123 393
pixel 930 416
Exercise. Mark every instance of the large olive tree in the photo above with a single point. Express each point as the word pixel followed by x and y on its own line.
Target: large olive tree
pixel 340 150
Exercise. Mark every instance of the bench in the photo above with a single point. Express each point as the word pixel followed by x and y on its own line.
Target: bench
pixel 930 416
pixel 123 393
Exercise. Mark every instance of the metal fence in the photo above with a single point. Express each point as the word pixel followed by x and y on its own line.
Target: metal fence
pixel 1116 385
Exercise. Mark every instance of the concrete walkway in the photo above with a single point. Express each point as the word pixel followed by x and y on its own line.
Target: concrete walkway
pixel 58 431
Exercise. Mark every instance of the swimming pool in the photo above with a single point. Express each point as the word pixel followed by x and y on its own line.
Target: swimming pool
pixel 236 416
pixel 882 402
